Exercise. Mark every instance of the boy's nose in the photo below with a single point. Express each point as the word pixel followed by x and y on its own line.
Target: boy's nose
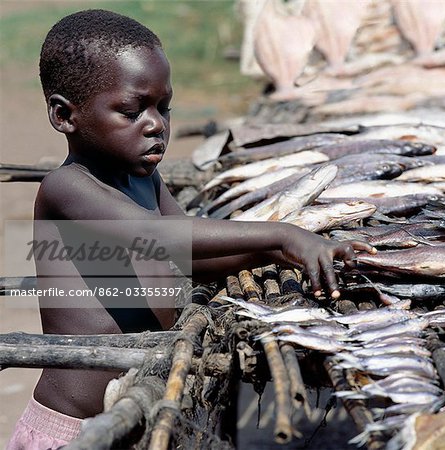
pixel 154 124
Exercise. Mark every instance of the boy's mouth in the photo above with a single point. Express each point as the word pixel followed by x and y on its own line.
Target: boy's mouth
pixel 154 154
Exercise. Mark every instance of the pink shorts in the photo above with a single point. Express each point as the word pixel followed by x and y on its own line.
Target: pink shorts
pixel 41 428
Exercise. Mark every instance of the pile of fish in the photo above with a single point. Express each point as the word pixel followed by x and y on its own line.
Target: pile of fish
pixel 339 58
pixel 381 183
pixel 384 348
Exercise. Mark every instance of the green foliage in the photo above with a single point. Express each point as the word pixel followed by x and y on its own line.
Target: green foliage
pixel 194 35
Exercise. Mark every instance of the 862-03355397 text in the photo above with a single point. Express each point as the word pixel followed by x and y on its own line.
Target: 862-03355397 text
pixel 98 292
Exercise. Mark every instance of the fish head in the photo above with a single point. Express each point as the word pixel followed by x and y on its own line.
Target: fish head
pixel 389 170
pixel 419 148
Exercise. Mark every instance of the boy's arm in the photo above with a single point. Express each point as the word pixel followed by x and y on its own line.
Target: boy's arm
pixel 73 195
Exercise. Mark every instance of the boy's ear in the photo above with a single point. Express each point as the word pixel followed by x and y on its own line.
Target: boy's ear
pixel 61 114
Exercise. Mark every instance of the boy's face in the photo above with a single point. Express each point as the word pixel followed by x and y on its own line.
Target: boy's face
pixel 127 126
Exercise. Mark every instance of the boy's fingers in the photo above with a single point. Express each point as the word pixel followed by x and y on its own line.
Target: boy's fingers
pixel 314 275
pixel 329 275
pixel 363 246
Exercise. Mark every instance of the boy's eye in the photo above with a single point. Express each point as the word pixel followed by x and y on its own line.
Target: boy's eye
pixel 164 111
pixel 132 115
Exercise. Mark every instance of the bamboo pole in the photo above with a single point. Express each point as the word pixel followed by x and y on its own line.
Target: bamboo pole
pixel 249 287
pixel 289 281
pixel 182 361
pixel 233 287
pixel 271 286
pixel 297 387
pixel 283 425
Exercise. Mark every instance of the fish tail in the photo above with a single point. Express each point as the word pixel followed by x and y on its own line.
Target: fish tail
pixel 351 395
pixel 360 439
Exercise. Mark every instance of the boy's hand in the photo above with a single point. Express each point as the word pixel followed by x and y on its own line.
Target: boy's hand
pixel 317 254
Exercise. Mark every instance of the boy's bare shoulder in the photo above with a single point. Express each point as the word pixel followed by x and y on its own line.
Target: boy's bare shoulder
pixel 71 192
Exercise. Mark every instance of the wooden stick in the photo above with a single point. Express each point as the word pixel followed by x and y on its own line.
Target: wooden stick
pixel 289 282
pixel 105 429
pixel 174 391
pixel 283 426
pixel 130 340
pixel 356 408
pixel 297 387
pixel 105 358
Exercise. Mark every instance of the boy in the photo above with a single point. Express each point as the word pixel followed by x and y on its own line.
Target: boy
pixel 106 82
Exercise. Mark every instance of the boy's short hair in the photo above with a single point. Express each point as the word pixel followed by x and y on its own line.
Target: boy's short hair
pixel 76 53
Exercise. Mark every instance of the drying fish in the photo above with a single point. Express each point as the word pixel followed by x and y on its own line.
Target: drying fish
pixel 398 381
pixel 418 398
pixel 391 320
pixel 252 307
pixel 386 364
pixel 260 167
pixel 337 24
pixel 411 327
pixel 313 342
pixel 259 195
pixel 393 147
pixel 428 134
pixel 406 162
pixel 428 174
pixel 252 185
pixel 418 292
pixel 395 206
pixel 275 34
pixel 410 408
pixel 350 174
pixel 382 315
pixel 206 155
pixel 324 217
pixel 289 315
pixel 389 424
pixel 409 235
pixel 294 145
pixel 250 134
pixel 378 189
pixel 392 348
pixel 421 261
pixel 306 189
pixel 395 340
pixel 327 331
pixel 421 22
